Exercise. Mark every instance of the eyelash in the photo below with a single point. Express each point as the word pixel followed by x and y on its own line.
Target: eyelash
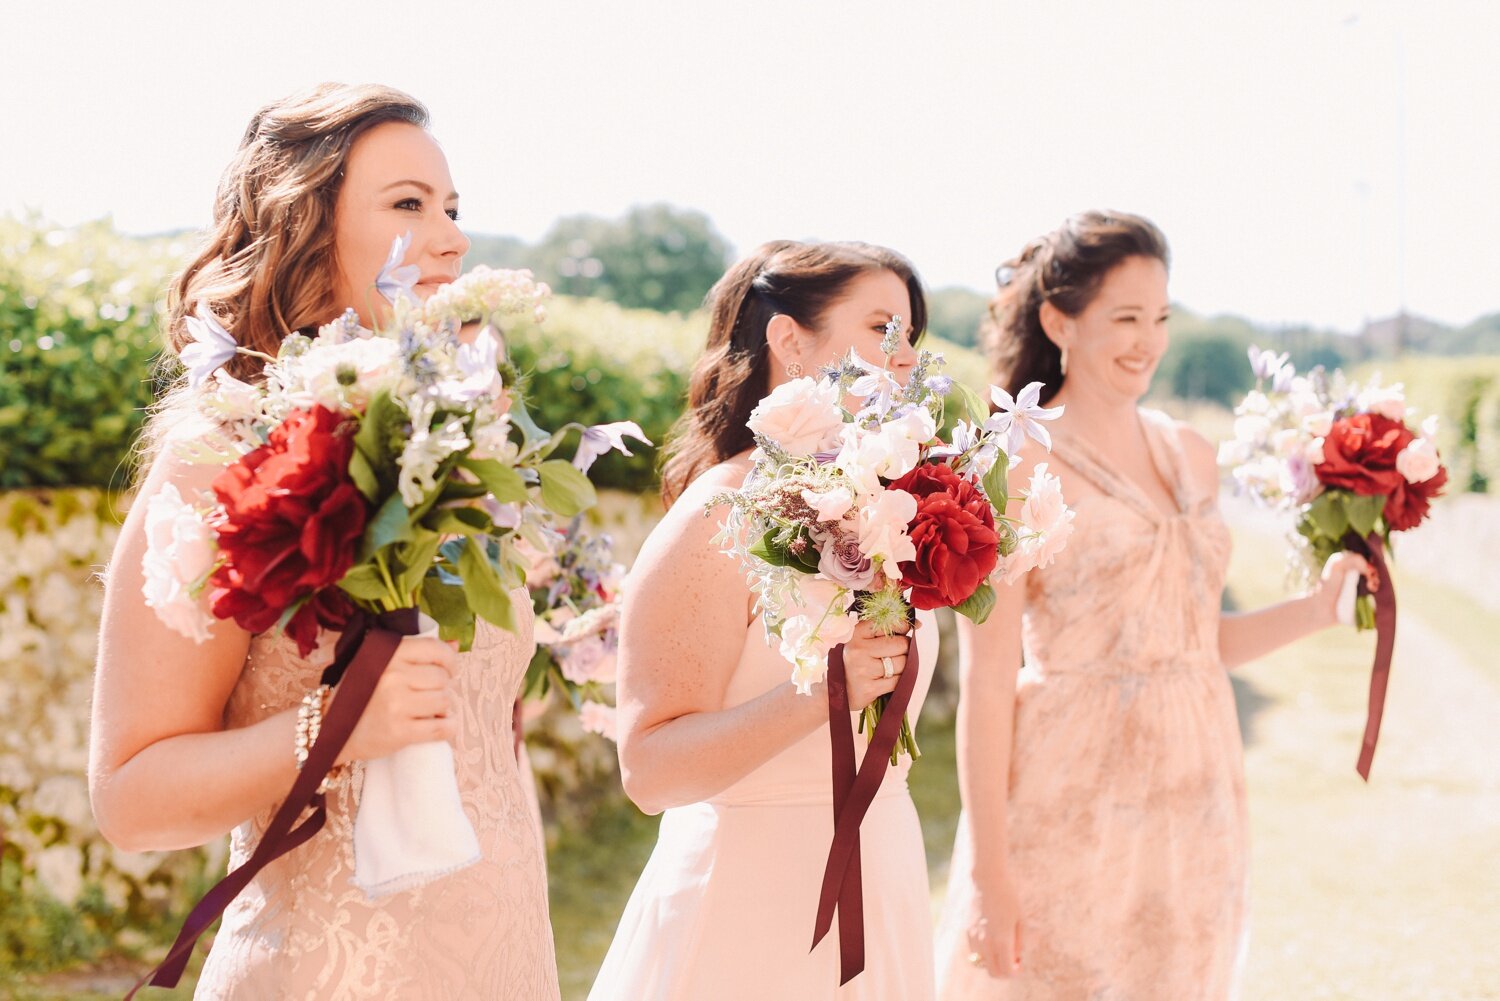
pixel 416 206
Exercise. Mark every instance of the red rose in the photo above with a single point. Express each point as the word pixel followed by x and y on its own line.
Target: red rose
pixel 1359 454
pixel 954 533
pixel 291 525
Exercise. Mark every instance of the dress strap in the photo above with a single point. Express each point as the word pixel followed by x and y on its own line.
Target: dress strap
pixel 1085 460
pixel 1166 452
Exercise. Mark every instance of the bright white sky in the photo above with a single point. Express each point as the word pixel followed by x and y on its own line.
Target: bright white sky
pixel 1263 137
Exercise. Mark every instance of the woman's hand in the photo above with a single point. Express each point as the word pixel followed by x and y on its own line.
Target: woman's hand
pixel 1331 585
pixel 414 702
pixel 866 656
pixel 995 927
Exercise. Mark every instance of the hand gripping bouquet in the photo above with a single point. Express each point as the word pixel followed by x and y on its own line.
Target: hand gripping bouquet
pixel 1344 461
pixel 369 480
pixel 855 509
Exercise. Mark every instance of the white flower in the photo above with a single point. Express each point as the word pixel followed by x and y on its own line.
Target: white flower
pixel 492 441
pixel 596 717
pixel 180 551
pixel 35 554
pixel 1046 518
pixel 867 455
pixel 806 644
pixel 1418 461
pixel 1286 442
pixel 801 416
pixel 54 601
pixel 1387 401
pixel 882 527
pixel 1233 452
pixel 425 451
pixel 1430 426
pixel 1314 453
pixel 1021 416
pixel 479 364
pixel 212 346
pixel 1265 364
pixel 1318 424
pixel 348 374
pixel 231 399
pixel 916 425
pixel 1252 429
pixel 1255 402
pixel 831 505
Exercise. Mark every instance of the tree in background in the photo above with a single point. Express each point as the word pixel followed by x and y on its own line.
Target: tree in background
pixel 955 313
pixel 656 257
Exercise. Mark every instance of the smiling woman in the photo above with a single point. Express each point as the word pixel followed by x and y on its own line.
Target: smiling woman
pixel 192 740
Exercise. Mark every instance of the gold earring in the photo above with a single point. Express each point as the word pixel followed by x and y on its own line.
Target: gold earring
pixel 1062 361
pixel 794 370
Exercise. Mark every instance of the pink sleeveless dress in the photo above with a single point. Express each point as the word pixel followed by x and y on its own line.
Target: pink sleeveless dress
pixel 1127 797
pixel 724 910
pixel 303 930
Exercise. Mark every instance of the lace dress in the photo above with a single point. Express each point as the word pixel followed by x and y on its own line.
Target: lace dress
pixel 303 930
pixel 1127 814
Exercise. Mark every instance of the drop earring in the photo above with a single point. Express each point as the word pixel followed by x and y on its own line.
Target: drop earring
pixel 1062 361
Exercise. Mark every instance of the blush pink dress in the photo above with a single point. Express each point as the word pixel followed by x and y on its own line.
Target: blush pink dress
pixel 724 910
pixel 1127 796
pixel 302 930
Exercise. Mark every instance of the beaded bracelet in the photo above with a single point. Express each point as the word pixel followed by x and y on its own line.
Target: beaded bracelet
pixel 309 724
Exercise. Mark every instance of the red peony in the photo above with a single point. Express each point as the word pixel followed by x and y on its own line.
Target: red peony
pixel 954 533
pixel 292 523
pixel 1359 455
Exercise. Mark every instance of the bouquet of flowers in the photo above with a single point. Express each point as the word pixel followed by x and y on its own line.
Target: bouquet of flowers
pixel 856 509
pixel 867 514
pixel 575 591
pixel 369 475
pixel 1344 460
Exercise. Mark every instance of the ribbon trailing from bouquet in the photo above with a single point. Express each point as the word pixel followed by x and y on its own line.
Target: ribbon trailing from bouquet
pixel 364 649
pixel 1371 548
pixel 853 792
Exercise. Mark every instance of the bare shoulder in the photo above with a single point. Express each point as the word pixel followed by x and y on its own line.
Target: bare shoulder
pixel 681 548
pixel 1201 456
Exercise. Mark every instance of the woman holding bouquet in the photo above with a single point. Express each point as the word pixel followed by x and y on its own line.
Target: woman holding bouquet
pixel 192 740
pixel 1102 850
pixel 711 729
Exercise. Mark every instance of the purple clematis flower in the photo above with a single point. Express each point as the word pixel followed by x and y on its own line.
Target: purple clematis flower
pixel 1021 416
pixel 396 279
pixel 601 438
pixel 212 346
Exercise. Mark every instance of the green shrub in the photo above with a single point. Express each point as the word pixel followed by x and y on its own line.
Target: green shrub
pixel 1459 390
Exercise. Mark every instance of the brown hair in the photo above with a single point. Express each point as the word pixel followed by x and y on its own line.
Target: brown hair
pixel 801 280
pixel 266 268
pixel 1066 268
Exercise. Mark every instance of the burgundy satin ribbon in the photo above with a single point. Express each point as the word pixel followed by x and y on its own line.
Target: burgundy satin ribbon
pixel 1371 549
pixel 363 651
pixel 853 792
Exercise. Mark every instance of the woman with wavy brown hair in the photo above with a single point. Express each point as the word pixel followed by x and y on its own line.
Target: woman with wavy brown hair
pixel 712 730
pixel 1102 848
pixel 192 741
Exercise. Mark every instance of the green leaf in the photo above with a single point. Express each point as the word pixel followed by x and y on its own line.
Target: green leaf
pixel 446 604
pixel 963 404
pixel 1328 515
pixel 485 594
pixel 414 559
pixel 372 439
pixel 996 483
pixel 565 491
pixel 771 550
pixel 500 480
pixel 538 674
pixel 521 418
pixel 364 582
pixel 392 523
pixel 460 521
pixel 978 606
pixel 1363 512
pixel 363 475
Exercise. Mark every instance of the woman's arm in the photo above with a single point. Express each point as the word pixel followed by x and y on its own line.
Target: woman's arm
pixel 1248 636
pixel 163 771
pixel 683 627
pixel 989 660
